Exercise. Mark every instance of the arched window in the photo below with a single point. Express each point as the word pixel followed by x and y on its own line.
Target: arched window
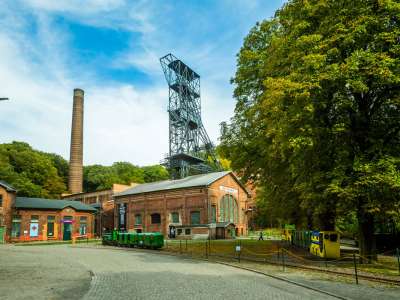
pixel 155 219
pixel 228 209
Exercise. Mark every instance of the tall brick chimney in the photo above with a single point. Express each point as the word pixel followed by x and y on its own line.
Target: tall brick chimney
pixel 75 178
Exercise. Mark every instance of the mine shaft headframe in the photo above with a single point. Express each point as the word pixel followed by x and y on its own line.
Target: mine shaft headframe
pixel 189 144
pixel 172 67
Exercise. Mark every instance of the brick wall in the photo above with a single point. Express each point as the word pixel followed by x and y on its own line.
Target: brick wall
pixel 59 215
pixel 184 202
pixel 6 210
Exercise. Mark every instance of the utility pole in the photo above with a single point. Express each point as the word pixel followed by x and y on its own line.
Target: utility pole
pixel 3 99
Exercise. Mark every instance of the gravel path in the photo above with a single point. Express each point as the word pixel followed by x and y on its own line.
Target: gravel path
pixel 61 271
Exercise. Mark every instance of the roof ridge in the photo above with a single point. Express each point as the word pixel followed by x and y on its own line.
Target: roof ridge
pixel 190 181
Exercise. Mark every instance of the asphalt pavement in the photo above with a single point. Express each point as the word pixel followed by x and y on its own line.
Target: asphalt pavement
pixel 71 272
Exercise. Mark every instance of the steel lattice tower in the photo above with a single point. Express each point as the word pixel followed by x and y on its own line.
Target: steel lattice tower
pixel 190 148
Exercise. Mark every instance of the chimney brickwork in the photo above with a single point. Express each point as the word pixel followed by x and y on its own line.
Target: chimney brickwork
pixel 75 178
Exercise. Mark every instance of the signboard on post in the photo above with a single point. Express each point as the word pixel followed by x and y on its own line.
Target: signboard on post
pixel 122 216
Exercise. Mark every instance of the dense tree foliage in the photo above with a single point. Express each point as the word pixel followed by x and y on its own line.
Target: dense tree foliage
pixel 97 177
pixel 38 174
pixel 31 172
pixel 317 120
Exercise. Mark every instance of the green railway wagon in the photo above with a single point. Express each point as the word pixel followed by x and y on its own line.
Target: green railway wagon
pixel 107 239
pixel 114 237
pixel 153 240
pixel 133 239
pixel 302 238
pixel 123 239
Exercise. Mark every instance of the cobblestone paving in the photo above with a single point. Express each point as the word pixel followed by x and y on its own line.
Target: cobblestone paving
pixel 61 272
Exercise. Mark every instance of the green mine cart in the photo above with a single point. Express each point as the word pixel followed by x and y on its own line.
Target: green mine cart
pixel 153 240
pixel 114 237
pixel 107 238
pixel 123 239
pixel 133 239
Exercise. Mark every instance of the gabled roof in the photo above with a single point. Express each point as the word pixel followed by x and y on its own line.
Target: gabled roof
pixel 201 180
pixel 40 203
pixel 8 187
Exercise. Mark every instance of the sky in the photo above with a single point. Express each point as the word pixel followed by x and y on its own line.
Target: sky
pixel 111 50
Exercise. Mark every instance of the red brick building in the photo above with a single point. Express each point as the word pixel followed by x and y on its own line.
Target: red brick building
pixel 213 204
pixel 104 203
pixel 35 219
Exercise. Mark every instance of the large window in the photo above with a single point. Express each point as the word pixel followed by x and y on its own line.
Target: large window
pixel 50 226
pixel 155 219
pixel 82 225
pixel 16 227
pixel 195 217
pixel 228 209
pixel 138 219
pixel 213 214
pixel 175 217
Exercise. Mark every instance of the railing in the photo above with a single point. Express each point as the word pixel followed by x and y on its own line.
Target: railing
pixel 281 253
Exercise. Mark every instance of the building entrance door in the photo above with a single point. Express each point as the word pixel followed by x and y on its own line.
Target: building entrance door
pixel 67 232
pixel 172 232
pixel 67 228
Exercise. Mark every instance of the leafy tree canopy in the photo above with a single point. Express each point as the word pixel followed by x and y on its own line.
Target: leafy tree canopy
pixel 317 118
pixel 31 172
pixel 39 174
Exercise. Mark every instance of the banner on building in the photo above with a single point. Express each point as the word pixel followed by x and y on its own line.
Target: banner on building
pixel 34 230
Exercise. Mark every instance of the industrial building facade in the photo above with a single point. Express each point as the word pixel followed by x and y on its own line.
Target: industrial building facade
pixel 209 205
pixel 35 219
pixel 103 202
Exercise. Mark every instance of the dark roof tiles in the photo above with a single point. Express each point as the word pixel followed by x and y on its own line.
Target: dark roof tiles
pixel 52 204
pixel 7 186
pixel 187 182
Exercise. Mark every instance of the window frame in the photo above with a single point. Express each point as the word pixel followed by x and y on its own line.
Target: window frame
pixel 136 218
pixel 153 221
pixel 176 214
pixel 192 213
pixel 16 219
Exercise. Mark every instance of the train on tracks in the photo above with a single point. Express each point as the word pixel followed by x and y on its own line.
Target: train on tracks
pixel 149 240
pixel 324 244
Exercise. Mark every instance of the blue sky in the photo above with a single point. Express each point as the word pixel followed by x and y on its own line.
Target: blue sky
pixel 111 49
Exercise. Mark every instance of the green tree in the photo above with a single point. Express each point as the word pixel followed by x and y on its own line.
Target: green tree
pixel 155 173
pixel 31 172
pixel 317 116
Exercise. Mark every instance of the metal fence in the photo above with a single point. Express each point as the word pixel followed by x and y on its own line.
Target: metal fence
pixel 281 253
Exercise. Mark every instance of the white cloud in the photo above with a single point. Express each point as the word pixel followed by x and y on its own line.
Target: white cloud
pixel 123 122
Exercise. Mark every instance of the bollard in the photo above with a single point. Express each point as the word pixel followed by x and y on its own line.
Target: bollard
pixel 283 260
pixel 180 246
pixel 355 267
pixel 186 245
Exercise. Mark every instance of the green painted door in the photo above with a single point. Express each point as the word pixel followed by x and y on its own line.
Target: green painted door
pixel 67 231
pixel 2 229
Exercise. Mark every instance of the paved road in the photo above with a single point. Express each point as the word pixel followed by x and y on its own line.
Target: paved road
pixel 60 272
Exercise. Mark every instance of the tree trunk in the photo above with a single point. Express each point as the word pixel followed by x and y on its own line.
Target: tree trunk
pixel 366 238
